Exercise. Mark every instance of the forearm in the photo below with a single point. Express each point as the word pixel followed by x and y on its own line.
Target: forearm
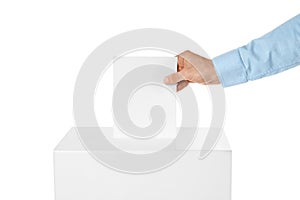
pixel 274 52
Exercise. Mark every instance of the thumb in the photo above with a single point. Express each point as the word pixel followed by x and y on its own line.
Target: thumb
pixel 173 78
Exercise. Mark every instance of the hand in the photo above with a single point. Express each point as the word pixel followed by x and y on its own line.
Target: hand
pixel 192 68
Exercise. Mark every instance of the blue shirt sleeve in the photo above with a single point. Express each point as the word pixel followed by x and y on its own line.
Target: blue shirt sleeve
pixel 272 53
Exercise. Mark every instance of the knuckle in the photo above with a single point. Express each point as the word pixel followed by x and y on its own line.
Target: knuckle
pixel 186 55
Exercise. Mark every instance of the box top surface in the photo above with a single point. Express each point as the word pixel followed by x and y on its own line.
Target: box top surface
pixel 72 142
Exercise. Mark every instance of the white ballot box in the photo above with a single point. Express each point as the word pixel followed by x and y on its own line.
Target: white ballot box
pixel 78 176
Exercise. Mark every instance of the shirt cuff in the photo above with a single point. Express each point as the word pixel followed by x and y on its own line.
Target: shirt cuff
pixel 230 68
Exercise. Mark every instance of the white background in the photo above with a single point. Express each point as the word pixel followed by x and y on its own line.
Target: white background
pixel 42 47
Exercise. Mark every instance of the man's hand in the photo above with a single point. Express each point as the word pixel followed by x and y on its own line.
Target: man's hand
pixel 192 68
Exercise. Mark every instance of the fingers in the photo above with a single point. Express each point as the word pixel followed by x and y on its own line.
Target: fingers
pixel 181 85
pixel 173 78
pixel 179 77
pixel 176 78
pixel 180 63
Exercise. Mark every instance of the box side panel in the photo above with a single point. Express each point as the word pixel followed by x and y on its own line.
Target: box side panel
pixel 78 176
